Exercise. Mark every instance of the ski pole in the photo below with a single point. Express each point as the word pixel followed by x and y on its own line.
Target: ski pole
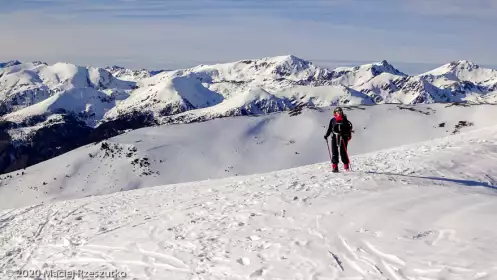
pixel 327 144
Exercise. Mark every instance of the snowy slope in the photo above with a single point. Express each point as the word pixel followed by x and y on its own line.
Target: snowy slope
pixel 461 70
pixel 324 96
pixel 360 75
pixel 32 89
pixel 90 104
pixel 463 78
pixel 20 87
pixel 491 97
pixel 227 147
pixel 416 90
pixel 383 87
pixel 253 102
pixel 411 212
pixel 169 97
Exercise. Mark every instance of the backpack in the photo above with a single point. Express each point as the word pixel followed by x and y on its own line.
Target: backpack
pixel 343 128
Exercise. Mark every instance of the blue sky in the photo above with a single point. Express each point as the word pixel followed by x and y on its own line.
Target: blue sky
pixel 414 35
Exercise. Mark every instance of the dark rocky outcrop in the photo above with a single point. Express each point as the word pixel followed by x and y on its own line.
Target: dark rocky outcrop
pixel 45 143
pixel 119 125
pixel 57 138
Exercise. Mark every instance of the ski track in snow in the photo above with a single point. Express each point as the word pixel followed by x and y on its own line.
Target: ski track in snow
pixel 387 219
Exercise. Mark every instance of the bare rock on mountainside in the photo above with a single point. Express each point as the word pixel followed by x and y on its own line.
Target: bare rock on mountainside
pixel 54 138
pixel 460 125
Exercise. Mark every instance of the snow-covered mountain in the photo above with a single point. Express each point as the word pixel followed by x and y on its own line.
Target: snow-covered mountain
pixel 221 82
pixel 37 89
pixel 255 101
pixel 130 74
pixel 361 75
pixel 9 63
pixel 286 77
pixel 168 97
pixel 461 71
pixel 464 80
pixel 412 212
pixel 112 100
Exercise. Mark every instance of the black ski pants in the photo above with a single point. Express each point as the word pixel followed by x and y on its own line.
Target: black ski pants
pixel 336 141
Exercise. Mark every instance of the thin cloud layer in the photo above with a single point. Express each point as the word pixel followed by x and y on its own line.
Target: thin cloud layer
pixel 176 34
pixel 474 9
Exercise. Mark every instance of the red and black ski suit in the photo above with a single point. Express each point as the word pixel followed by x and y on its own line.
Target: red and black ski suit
pixel 341 130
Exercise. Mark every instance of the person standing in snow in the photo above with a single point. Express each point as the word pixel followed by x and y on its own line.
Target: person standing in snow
pixel 341 128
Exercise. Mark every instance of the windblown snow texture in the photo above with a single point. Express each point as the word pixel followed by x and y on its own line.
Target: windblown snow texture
pixel 412 212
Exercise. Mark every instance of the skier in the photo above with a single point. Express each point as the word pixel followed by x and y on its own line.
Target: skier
pixel 341 128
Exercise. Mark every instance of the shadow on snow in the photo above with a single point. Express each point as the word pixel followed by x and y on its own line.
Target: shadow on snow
pixel 470 183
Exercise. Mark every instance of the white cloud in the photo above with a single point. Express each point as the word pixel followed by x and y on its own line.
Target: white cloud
pixel 476 9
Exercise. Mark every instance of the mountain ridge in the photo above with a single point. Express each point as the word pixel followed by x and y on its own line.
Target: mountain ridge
pixel 117 67
pixel 40 101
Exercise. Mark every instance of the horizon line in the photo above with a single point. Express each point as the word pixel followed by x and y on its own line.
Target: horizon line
pixel 316 61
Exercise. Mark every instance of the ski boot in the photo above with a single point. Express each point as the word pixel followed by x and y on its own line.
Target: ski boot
pixel 334 167
pixel 346 166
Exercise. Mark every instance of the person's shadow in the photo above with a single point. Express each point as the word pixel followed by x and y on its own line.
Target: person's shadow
pixel 470 183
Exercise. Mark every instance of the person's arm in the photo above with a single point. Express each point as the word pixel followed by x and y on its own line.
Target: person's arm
pixel 330 127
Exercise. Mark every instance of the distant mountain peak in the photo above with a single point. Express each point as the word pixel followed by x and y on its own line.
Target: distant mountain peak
pixel 383 63
pixel 277 60
pixel 375 69
pixel 128 74
pixel 463 64
pixel 37 62
pixel 462 70
pixel 115 67
pixel 9 63
pixel 385 66
pixel 290 58
pixel 155 72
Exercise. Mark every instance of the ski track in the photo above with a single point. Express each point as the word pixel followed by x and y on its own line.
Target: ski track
pixel 280 225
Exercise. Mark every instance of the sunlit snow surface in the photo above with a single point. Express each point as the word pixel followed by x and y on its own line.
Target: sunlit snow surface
pixel 418 211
